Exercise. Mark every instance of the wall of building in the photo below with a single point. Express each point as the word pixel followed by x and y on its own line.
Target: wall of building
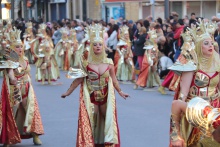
pixel 94 9
pixel 132 10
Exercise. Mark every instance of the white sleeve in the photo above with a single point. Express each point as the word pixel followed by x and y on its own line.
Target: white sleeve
pixel 163 63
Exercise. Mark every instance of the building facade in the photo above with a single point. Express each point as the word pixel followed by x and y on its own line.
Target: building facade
pixel 50 10
pixel 139 9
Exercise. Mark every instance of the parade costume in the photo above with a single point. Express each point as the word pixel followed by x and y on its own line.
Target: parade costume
pixel 29 40
pixel 204 83
pixel 172 79
pixel 47 68
pixel 20 116
pixel 64 51
pixel 124 66
pixel 97 90
pixel 80 49
pixel 148 74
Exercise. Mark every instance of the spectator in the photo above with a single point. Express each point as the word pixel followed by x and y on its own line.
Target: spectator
pixel 112 41
pixel 146 24
pixel 217 35
pixel 149 18
pixel 165 63
pixel 132 29
pixel 177 37
pixel 57 34
pixel 192 19
pixel 186 21
pixel 139 44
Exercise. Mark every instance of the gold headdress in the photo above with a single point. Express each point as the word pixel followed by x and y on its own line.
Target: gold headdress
pixel 152 34
pixel 43 26
pixel 96 33
pixel 199 33
pixel 96 36
pixel 211 27
pixel 186 36
pixel 29 25
pixel 14 37
pixel 42 30
pixel 72 36
pixel 123 31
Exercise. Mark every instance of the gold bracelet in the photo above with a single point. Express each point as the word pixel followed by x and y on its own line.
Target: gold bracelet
pixel 181 96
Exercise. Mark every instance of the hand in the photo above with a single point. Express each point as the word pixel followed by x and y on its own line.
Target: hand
pixel 124 95
pixel 64 95
pixel 178 143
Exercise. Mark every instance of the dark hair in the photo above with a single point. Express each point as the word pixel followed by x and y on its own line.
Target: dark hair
pixel 159 20
pixel 115 27
pixel 140 21
pixel 146 24
pixel 193 14
pixel 157 26
pixel 68 24
pixel 180 21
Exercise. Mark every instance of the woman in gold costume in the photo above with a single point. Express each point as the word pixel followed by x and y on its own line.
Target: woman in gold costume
pixel 97 125
pixel 63 51
pixel 124 66
pixel 19 112
pixel 28 38
pixel 148 74
pixel 199 68
pixel 47 68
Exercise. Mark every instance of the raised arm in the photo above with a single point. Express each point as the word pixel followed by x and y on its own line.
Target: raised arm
pixel 115 83
pixel 73 86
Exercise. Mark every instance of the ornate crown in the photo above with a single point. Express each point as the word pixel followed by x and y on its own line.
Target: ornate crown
pixel 211 27
pixel 123 31
pixel 43 26
pixel 72 36
pixel 14 37
pixel 64 31
pixel 29 25
pixel 96 33
pixel 199 33
pixel 152 34
pixel 186 36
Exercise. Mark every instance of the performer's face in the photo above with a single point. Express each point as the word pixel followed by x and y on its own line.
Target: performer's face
pixel 19 49
pixel 126 36
pixel 97 48
pixel 207 47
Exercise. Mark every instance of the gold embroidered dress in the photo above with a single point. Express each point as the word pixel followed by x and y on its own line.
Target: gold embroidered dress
pixel 19 113
pixel 204 84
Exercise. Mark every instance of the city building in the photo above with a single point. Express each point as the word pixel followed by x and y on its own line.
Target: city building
pixel 138 9
pixel 49 10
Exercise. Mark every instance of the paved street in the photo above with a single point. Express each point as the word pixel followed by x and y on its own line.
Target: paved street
pixel 143 118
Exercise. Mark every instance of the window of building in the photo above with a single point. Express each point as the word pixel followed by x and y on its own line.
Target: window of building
pixel 193 7
pixel 208 9
pixel 177 7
